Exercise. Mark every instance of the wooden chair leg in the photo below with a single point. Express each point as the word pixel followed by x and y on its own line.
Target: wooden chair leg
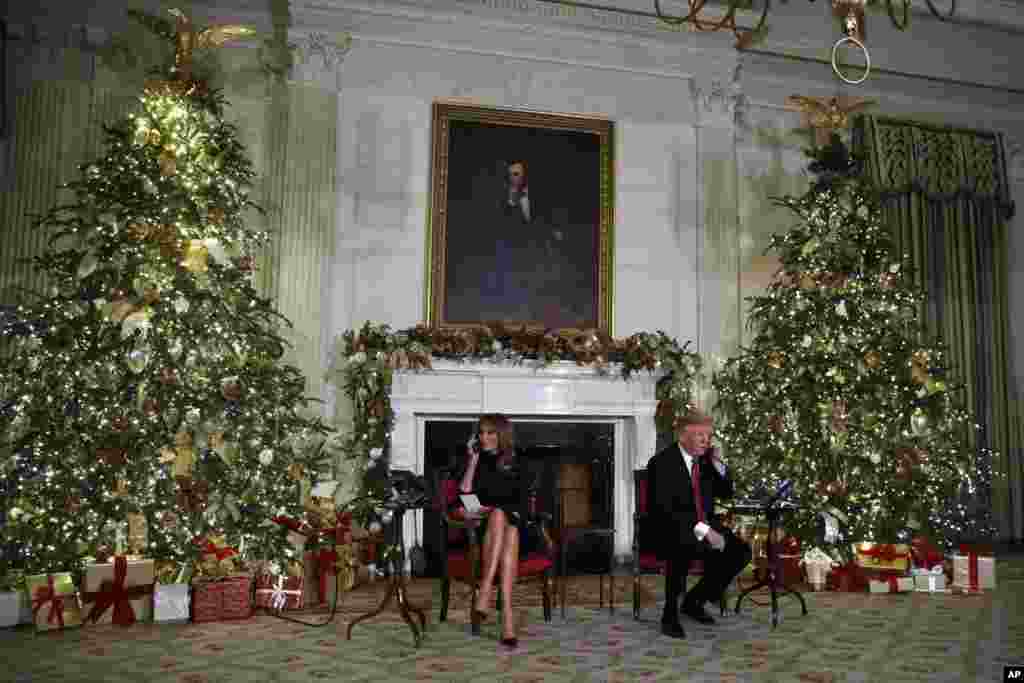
pixel 446 586
pixel 636 597
pixel 547 590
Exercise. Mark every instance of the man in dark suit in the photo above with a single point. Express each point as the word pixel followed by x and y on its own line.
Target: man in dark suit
pixel 682 516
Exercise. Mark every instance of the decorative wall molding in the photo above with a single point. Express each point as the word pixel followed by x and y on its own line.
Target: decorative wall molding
pixel 521 29
pixel 1014 147
pixel 317 59
pixel 717 99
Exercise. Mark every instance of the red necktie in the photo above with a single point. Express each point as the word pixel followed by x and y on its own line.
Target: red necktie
pixel 695 480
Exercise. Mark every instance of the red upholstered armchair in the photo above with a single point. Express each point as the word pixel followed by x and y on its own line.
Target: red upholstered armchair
pixel 645 561
pixel 461 549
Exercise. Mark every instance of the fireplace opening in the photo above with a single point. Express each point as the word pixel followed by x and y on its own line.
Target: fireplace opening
pixel 569 464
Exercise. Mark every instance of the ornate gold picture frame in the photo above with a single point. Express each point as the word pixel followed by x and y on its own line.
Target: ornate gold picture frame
pixel 521 219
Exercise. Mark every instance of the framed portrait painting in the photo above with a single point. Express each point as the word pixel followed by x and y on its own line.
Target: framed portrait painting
pixel 520 219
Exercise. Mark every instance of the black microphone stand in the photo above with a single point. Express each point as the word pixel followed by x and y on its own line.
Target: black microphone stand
pixel 772 578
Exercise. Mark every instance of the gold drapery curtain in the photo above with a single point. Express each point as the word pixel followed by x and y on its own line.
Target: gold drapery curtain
pixel 947 202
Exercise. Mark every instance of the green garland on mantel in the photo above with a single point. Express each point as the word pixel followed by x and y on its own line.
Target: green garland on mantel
pixel 367 358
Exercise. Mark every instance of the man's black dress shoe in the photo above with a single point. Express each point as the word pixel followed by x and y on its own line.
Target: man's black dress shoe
pixel 698 614
pixel 672 630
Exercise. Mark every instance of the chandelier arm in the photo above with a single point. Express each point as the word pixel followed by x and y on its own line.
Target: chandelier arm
pixel 938 15
pixel 906 12
pixel 727 21
pixel 695 7
pixel 760 22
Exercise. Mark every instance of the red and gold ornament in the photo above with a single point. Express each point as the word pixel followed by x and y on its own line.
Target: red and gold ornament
pixel 150 407
pixel 231 389
pixel 919 363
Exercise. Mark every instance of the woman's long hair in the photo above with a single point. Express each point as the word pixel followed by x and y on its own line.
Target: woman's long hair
pixel 506 437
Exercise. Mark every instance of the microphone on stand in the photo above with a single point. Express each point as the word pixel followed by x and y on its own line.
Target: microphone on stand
pixel 783 492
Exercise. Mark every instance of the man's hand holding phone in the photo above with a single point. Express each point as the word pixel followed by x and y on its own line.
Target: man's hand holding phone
pixel 706 533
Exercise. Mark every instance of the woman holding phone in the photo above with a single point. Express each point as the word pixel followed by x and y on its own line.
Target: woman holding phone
pixel 492 473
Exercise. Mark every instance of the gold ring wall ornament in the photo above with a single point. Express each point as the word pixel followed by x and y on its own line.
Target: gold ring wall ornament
pixel 835 63
pixel 851 14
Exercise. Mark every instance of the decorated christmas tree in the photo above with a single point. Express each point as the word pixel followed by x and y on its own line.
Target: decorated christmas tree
pixel 144 403
pixel 840 391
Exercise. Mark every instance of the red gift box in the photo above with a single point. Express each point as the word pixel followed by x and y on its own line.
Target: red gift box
pixel 222 599
pixel 291 588
pixel 850 578
pixel 925 554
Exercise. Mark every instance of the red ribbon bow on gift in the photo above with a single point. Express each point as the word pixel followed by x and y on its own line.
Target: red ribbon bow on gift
pixel 973 552
pixel 48 594
pixel 327 563
pixel 115 593
pixel 925 553
pixel 884 552
pixel 220 552
pixel 343 529
pixel 848 577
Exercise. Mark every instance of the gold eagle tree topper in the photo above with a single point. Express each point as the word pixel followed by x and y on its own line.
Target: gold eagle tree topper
pixel 827 114
pixel 188 38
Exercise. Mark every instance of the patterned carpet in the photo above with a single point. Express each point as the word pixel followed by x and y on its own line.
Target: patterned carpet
pixel 845 638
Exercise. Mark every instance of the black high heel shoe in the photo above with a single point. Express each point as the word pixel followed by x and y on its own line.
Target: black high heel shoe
pixel 476 617
pixel 510 642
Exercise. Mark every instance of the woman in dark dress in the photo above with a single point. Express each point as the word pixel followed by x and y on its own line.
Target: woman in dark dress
pixel 492 473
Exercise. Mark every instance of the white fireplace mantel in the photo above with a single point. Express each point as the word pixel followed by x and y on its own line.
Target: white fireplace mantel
pixel 560 392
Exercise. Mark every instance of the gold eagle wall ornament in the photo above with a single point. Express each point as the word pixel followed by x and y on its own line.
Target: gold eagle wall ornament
pixel 827 114
pixel 187 38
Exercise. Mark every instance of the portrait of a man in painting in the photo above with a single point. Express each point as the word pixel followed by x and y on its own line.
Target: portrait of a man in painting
pixel 522 220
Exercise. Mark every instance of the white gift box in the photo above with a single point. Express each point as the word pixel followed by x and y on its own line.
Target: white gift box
pixel 817 565
pixel 171 603
pixel 903 584
pixel 10 608
pixel 962 572
pixel 139 574
pixel 929 581
pixel 25 616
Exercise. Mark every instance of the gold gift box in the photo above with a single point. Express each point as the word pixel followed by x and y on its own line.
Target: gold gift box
pixel 54 608
pixel 896 558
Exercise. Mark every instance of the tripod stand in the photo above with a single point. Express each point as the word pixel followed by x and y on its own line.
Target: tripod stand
pixel 396 589
pixel 772 578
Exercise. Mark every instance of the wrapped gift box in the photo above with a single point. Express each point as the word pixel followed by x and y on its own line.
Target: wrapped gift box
pixel 849 578
pixel 119 592
pixel 895 584
pixel 171 602
pixel 886 557
pixel 54 601
pixel 10 608
pixel 280 592
pixel 925 554
pixel 222 599
pixel 982 576
pixel 817 565
pixel 338 569
pixel 929 581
